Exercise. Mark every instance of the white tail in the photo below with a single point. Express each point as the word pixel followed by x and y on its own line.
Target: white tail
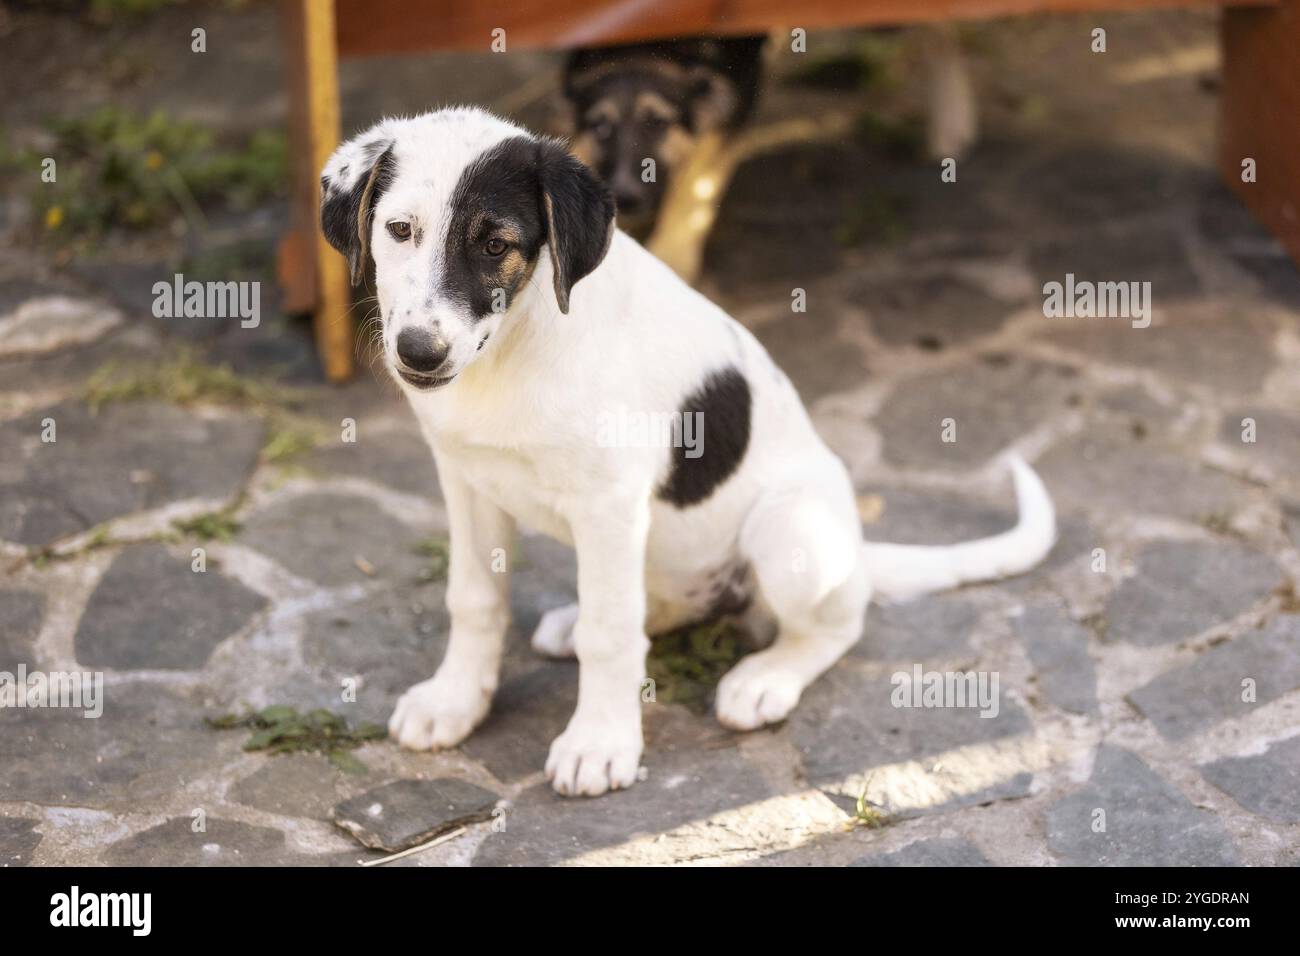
pixel 902 571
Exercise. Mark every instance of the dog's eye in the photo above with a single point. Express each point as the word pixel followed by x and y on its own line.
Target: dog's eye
pixel 401 231
pixel 603 130
pixel 495 247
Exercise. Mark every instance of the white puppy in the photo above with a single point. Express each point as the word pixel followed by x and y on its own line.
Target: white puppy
pixel 528 332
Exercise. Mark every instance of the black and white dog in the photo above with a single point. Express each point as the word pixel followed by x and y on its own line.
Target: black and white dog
pixel 518 320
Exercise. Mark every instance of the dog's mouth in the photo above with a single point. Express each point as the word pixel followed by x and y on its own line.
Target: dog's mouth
pixel 421 380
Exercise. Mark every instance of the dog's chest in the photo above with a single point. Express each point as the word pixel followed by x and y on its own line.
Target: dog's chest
pixel 513 480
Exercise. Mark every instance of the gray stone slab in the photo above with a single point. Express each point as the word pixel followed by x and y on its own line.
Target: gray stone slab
pixel 319 536
pixel 292 785
pixel 18 840
pixel 686 785
pixel 1231 351
pixel 1182 588
pixel 1076 539
pixel 1147 821
pixel 528 712
pixel 47 323
pixel 993 400
pixel 406 813
pixel 792 235
pixel 66 371
pixel 932 313
pixel 545 577
pixel 1109 470
pixel 937 626
pixel 935 852
pixel 1058 648
pixel 1277 438
pixel 21 613
pixel 151 611
pixel 147 743
pixel 17 288
pixel 400 460
pixel 847 724
pixel 1195 697
pixel 386 642
pixel 1267 784
pixel 130 457
pixel 222 843
pixel 1119 254
pixel 1134 401
pixel 1105 184
pixel 811 349
pixel 937 517
pixel 981 223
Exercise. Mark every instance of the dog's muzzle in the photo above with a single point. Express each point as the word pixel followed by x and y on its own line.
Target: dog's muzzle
pixel 420 355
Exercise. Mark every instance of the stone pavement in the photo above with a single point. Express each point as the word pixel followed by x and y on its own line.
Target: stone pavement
pixel 1149 672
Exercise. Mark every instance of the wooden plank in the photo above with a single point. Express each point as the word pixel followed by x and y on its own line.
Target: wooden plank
pixel 296 254
pixel 310 33
pixel 370 27
pixel 1259 115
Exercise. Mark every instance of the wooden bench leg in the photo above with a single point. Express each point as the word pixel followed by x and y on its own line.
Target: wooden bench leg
pixel 313 276
pixel 1260 114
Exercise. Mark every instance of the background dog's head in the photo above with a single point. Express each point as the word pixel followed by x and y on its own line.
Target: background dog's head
pixel 456 209
pixel 653 101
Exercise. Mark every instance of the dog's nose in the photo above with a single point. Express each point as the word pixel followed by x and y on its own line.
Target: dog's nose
pixel 420 351
pixel 630 203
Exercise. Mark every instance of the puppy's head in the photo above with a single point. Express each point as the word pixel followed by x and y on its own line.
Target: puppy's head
pixel 637 107
pixel 456 209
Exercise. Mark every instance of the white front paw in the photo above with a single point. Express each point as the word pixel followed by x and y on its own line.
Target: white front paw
pixel 591 757
pixel 439 712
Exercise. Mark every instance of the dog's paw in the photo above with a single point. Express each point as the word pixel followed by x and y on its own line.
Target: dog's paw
pixel 439 712
pixel 755 692
pixel 586 760
pixel 554 634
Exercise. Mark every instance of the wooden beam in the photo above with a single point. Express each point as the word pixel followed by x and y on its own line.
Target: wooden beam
pixel 296 255
pixel 371 27
pixel 313 276
pixel 1259 115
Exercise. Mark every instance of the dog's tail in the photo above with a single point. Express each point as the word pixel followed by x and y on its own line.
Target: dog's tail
pixel 902 571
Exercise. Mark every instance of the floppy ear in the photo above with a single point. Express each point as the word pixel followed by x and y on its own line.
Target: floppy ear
pixel 351 183
pixel 579 215
pixel 712 100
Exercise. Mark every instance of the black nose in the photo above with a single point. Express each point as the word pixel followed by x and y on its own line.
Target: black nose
pixel 420 351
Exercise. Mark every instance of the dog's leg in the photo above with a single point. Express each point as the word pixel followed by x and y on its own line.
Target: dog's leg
pixel 553 636
pixel 954 114
pixel 441 711
pixel 807 554
pixel 601 748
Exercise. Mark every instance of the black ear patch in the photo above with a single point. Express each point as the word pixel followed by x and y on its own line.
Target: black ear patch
pixel 579 215
pixel 722 406
pixel 345 213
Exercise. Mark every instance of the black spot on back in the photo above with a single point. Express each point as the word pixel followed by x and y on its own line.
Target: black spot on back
pixel 725 406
